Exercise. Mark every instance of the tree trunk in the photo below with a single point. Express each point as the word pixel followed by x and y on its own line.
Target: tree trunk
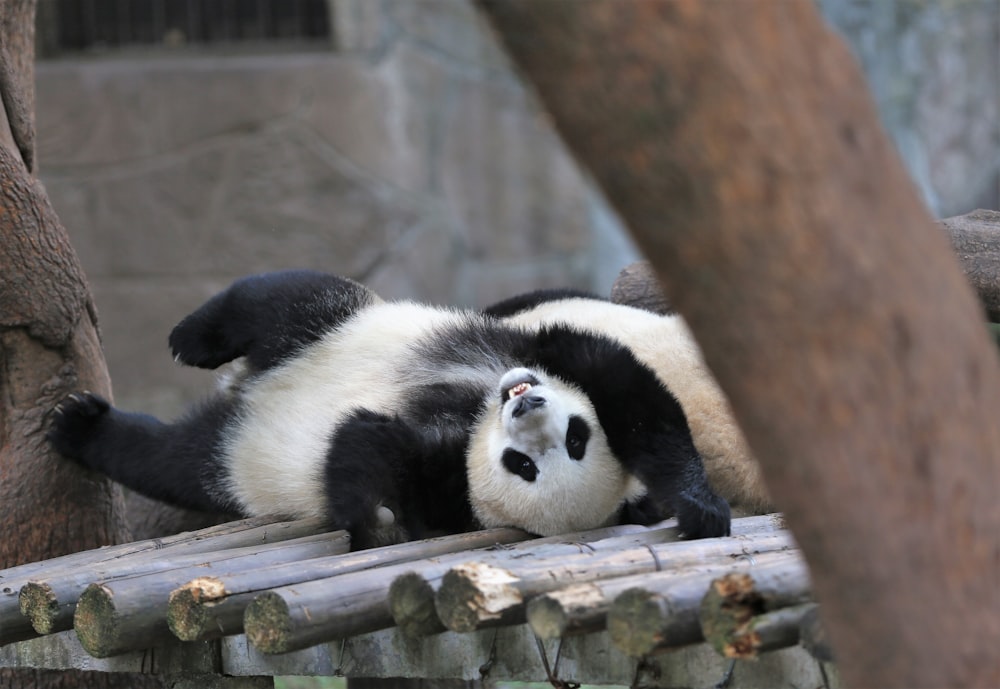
pixel 49 346
pixel 739 143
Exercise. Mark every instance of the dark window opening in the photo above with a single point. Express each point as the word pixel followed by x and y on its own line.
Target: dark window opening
pixel 100 25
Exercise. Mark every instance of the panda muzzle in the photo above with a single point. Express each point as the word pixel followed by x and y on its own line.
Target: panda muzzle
pixel 526 403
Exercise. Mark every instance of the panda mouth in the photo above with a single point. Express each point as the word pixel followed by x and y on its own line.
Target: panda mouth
pixel 517 390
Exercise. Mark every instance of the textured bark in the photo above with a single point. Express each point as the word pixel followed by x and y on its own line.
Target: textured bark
pixel 740 144
pixel 49 345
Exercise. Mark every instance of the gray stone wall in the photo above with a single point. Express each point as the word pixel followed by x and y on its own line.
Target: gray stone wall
pixel 409 158
pixel 934 68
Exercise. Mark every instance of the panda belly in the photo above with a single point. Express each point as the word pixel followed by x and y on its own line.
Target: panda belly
pixel 276 447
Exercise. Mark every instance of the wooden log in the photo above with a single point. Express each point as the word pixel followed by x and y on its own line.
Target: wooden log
pixel 289 618
pixel 733 600
pixel 812 636
pixel 975 237
pixel 637 285
pixel 129 612
pixel 49 603
pixel 586 608
pixel 764 633
pixel 209 607
pixel 476 594
pixel 16 627
pixel 411 596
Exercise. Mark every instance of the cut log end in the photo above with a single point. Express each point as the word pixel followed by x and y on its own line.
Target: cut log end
pixel 187 615
pixel 267 623
pixel 39 604
pixel 573 610
pixel 411 602
pixel 95 621
pixel 634 622
pixel 474 594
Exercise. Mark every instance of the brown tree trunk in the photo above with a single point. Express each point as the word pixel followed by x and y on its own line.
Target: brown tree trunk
pixel 49 346
pixel 739 143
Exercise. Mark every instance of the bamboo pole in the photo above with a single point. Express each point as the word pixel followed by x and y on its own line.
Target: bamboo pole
pixel 213 606
pixel 14 626
pixel 129 612
pixel 476 594
pixel 411 595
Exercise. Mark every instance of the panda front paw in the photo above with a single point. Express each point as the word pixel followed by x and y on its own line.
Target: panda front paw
pixel 74 423
pixel 703 517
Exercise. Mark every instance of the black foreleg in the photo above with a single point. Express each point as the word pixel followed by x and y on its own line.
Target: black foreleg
pixel 176 463
pixel 380 467
pixel 645 424
pixel 266 318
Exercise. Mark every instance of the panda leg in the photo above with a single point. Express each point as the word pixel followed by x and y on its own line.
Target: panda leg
pixel 380 466
pixel 266 318
pixel 175 463
pixel 701 513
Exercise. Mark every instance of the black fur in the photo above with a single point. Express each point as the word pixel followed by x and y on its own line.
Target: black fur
pixel 525 302
pixel 412 462
pixel 267 318
pixel 176 463
pixel 644 423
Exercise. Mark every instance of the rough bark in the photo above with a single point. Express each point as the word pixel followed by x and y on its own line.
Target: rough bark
pixel 740 145
pixel 49 345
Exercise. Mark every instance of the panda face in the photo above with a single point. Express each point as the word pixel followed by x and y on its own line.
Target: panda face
pixel 539 459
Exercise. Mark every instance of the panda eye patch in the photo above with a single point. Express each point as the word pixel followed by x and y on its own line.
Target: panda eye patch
pixel 519 463
pixel 577 435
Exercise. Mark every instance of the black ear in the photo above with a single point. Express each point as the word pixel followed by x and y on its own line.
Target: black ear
pixel 266 318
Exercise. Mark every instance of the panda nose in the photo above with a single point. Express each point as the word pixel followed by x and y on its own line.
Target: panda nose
pixel 526 403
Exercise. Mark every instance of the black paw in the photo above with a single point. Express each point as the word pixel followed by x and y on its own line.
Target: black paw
pixel 196 341
pixel 703 518
pixel 74 423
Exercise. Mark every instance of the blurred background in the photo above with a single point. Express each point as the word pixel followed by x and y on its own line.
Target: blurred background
pixel 185 143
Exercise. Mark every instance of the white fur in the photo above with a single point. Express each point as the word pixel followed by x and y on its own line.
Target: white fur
pixel 567 494
pixel 277 448
pixel 665 344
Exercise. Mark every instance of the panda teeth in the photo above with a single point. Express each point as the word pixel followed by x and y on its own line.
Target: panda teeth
pixel 518 389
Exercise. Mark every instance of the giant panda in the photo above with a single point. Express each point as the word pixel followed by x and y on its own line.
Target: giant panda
pixel 665 344
pixel 399 420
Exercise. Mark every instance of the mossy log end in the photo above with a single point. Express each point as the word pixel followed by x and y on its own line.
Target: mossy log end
pixel 96 620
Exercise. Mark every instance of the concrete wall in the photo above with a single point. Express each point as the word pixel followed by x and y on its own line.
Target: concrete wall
pixel 409 158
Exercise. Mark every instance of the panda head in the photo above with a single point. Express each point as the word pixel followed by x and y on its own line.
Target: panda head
pixel 539 460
